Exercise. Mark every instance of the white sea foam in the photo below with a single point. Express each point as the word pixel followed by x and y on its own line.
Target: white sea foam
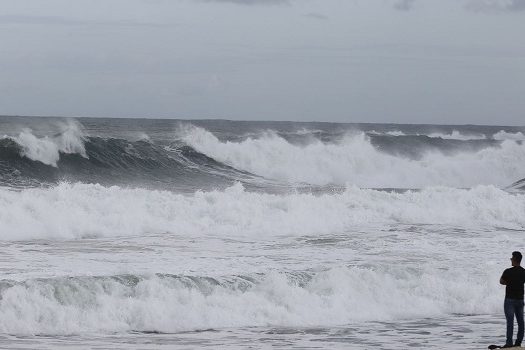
pixel 142 136
pixel 46 149
pixel 456 135
pixel 80 210
pixel 389 133
pixel 335 297
pixel 503 135
pixel 355 160
pixel 395 133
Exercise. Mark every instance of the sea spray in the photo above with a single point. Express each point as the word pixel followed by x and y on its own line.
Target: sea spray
pixel 46 149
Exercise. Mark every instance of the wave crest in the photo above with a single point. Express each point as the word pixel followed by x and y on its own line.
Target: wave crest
pixel 356 161
pixel 69 140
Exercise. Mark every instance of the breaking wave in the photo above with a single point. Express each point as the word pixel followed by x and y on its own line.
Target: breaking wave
pixel 355 160
pixel 172 303
pixel 195 158
pixel 70 211
pixel 47 149
pixel 28 160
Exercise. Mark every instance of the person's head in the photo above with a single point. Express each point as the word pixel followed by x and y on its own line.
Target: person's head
pixel 516 258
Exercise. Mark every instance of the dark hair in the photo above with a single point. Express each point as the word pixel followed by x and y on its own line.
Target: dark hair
pixel 517 256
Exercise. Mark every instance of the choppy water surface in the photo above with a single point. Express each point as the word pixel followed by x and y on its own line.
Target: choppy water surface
pixel 140 234
pixel 456 332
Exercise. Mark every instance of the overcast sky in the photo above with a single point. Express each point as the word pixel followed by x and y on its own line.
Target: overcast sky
pixel 401 61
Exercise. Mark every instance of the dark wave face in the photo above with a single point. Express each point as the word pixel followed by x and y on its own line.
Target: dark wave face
pixel 416 146
pixel 518 185
pixel 119 161
pixel 187 156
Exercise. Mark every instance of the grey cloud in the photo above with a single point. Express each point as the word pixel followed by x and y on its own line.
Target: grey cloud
pixel 316 15
pixel 56 20
pixel 404 5
pixel 496 5
pixel 251 2
pixel 516 5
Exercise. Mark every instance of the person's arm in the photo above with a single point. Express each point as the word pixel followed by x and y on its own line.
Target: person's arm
pixel 502 279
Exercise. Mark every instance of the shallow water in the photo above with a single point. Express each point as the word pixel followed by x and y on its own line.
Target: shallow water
pixel 454 332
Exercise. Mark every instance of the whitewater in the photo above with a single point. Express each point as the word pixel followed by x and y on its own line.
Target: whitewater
pixel 151 234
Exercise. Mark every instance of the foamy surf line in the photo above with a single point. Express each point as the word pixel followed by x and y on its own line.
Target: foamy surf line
pixel 170 303
pixel 73 211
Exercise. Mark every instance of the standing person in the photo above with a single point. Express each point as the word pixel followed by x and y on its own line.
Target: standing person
pixel 514 278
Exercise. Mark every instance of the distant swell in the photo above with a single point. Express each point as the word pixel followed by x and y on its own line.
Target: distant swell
pixel 70 211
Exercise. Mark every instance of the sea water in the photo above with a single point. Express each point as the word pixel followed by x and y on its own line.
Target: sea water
pixel 172 234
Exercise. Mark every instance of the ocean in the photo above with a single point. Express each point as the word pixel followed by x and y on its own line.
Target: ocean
pixel 195 234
